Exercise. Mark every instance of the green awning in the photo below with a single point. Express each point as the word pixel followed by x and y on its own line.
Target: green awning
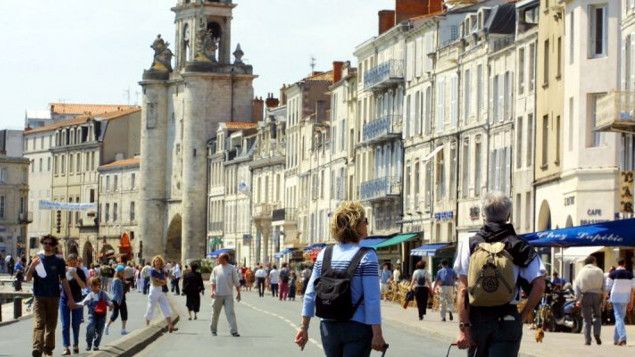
pixel 399 238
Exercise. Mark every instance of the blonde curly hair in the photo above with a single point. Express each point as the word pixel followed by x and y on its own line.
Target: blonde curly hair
pixel 345 220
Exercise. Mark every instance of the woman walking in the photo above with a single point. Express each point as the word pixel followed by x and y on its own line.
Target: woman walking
pixel 72 318
pixel 362 332
pixel 158 281
pixel 421 286
pixel 118 294
pixel 193 288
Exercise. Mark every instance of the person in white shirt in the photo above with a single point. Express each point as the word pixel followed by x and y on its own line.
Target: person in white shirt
pixel 589 291
pixel 224 279
pixel 620 285
pixel 261 276
pixel 274 277
pixel 176 278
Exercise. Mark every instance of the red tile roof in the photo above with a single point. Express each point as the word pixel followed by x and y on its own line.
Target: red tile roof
pixel 94 109
pixel 238 125
pixel 122 163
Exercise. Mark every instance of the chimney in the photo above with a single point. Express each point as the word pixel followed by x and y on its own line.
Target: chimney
pixel 386 20
pixel 257 109
pixel 407 9
pixel 337 71
pixel 271 101
pixel 283 95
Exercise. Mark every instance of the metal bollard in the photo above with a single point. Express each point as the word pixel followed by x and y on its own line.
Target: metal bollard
pixel 17 307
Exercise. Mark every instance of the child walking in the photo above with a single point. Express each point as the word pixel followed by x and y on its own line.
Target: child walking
pixel 118 293
pixel 97 302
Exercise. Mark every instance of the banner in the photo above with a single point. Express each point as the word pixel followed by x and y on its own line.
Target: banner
pixel 626 191
pixel 67 206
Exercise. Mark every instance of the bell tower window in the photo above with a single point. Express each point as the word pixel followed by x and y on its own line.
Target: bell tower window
pixel 186 53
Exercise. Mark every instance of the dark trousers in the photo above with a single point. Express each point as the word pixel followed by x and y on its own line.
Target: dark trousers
pixel 261 286
pixel 175 286
pixel 592 314
pixel 146 285
pixel 346 339
pixel 70 319
pixel 305 284
pixel 495 331
pixel 119 308
pixel 421 296
pixel 95 329
pixel 274 289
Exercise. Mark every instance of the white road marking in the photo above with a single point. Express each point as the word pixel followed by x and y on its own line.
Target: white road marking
pixel 294 326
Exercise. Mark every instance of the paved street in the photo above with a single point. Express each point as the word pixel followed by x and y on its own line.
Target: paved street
pixel 267 327
pixel 16 338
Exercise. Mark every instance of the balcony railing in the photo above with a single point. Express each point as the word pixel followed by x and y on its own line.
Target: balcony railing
pixel 263 210
pixel 384 74
pixel 383 128
pixel 616 112
pixel 25 217
pixel 380 188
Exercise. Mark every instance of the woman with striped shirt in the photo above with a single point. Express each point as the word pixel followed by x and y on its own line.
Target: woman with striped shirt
pixel 357 336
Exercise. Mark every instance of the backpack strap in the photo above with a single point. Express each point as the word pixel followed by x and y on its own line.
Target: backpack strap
pixel 326 260
pixel 357 258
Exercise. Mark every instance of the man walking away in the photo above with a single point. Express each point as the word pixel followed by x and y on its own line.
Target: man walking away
pixel 224 278
pixel 10 264
pixel 261 276
pixel 621 286
pixel 46 293
pixel 589 291
pixel 284 282
pixel 274 279
pixel 490 323
pixel 306 275
pixel 446 278
pixel 384 280
pixel 176 278
pixel 145 275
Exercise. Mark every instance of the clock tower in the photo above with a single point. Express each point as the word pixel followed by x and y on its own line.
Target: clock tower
pixel 181 109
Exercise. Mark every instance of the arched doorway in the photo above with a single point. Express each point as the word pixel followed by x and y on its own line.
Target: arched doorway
pixel 173 245
pixel 88 254
pixel 72 247
pixel 544 217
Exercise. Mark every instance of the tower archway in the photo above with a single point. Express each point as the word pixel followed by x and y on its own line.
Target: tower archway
pixel 544 217
pixel 173 246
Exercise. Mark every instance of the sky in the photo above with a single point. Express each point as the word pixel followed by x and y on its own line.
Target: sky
pixel 89 51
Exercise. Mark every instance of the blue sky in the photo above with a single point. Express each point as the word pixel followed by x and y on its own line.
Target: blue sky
pixel 91 51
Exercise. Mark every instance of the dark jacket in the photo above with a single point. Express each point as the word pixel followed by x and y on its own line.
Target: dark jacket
pixel 193 283
pixel 521 252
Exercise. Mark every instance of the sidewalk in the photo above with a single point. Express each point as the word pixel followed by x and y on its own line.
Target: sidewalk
pixel 554 344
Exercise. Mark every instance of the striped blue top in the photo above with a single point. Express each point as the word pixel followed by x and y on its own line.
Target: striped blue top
pixel 366 280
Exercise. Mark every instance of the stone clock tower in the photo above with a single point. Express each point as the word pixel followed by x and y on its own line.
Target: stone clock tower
pixel 182 106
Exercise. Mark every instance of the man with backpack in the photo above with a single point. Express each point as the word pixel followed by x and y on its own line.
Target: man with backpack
pixel 284 282
pixel 491 268
pixel 445 281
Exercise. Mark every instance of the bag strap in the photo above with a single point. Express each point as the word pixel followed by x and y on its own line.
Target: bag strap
pixel 326 260
pixel 357 258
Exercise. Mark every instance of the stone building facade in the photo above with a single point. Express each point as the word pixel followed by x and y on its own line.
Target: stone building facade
pixel 14 205
pixel 182 108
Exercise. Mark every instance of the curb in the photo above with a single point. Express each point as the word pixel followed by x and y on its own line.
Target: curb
pixel 137 340
pixel 21 318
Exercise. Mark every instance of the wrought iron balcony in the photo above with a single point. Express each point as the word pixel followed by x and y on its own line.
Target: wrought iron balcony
pixel 380 188
pixel 616 112
pixel 384 74
pixel 383 128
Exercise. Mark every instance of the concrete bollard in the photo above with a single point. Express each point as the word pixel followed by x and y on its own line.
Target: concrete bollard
pixel 17 307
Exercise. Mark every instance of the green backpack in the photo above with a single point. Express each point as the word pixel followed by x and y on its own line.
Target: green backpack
pixel 490 278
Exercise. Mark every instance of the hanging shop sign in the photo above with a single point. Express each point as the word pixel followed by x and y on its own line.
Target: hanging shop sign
pixel 444 216
pixel 626 191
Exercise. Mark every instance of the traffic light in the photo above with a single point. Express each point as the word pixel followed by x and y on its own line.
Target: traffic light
pixel 58 222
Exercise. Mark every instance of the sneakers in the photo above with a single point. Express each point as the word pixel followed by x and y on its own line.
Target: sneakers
pixel 124 332
pixel 235 334
pixel 67 352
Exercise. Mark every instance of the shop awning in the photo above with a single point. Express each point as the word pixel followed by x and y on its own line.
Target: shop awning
pixel 428 250
pixel 620 233
pixel 283 252
pixel 397 239
pixel 216 253
pixel 575 254
pixel 371 242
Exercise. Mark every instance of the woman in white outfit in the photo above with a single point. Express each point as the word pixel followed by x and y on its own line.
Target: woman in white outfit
pixel 157 293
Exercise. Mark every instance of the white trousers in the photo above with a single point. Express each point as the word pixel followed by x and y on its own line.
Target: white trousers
pixel 446 298
pixel 157 296
pixel 140 282
pixel 228 303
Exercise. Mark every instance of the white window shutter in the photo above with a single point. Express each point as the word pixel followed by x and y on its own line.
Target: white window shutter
pixel 419 56
pixel 410 55
pixel 631 84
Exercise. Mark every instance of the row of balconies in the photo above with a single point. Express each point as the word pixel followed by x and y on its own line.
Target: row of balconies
pixel 380 188
pixel 384 74
pixel 616 112
pixel 383 128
